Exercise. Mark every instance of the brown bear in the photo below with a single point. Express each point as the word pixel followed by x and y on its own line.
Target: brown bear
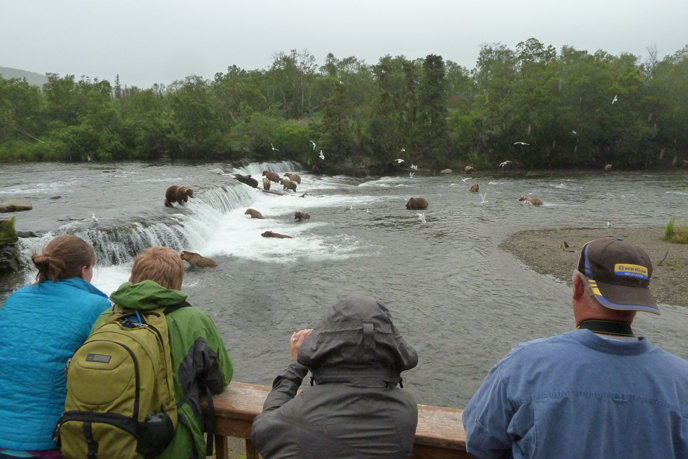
pixel 608 167
pixel 253 213
pixel 171 195
pixel 474 188
pixel 417 203
pixel 266 184
pixel 469 169
pixel 183 194
pixel 271 234
pixel 533 201
pixel 288 184
pixel 293 177
pixel 196 260
pixel 301 215
pixel 272 176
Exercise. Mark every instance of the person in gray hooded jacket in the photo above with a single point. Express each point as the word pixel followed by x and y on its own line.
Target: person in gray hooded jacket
pixel 354 409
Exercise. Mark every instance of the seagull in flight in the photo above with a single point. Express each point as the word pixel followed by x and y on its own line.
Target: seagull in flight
pixel 421 217
pixel 615 100
pixel 402 150
pixel 413 167
pixel 483 197
pixel 410 174
pixel 574 132
pixel 273 147
pixel 504 164
pixel 466 178
pixel 313 145
pixel 399 160
pixel 321 155
pixel 521 143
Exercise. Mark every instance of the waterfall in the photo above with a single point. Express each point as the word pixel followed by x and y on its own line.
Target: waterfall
pixel 194 223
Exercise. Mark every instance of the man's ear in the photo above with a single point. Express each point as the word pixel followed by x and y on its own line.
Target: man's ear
pixel 578 288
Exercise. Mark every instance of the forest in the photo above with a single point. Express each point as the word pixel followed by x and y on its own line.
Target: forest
pixel 534 106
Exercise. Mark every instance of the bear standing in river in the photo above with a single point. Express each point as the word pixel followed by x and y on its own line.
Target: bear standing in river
pixel 417 203
pixel 197 260
pixel 177 194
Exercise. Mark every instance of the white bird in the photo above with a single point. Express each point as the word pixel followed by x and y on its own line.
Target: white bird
pixel 351 207
pixel 273 147
pixel 410 174
pixel 413 167
pixel 399 160
pixel 521 143
pixel 505 163
pixel 574 132
pixel 368 211
pixel 615 100
pixel 93 218
pixel 609 224
pixel 466 178
pixel 483 197
pixel 321 155
pixel 402 150
pixel 313 145
pixel 421 217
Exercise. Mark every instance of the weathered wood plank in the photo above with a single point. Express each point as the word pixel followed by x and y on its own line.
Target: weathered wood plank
pixel 439 433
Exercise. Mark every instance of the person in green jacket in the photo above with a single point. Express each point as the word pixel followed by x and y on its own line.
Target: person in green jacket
pixel 199 357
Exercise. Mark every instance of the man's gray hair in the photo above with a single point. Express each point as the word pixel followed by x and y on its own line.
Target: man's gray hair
pixel 592 299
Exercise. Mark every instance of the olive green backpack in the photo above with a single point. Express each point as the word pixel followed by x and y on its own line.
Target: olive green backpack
pixel 120 394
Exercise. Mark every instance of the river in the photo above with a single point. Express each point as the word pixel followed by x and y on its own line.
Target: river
pixel 456 297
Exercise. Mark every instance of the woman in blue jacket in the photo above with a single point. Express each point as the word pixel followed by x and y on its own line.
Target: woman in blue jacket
pixel 41 325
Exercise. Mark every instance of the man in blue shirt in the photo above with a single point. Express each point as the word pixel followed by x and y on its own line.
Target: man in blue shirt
pixel 597 391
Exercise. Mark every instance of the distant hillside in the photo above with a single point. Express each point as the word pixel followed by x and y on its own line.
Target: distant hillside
pixel 31 77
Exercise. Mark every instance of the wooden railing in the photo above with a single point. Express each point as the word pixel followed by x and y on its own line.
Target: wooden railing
pixel 439 434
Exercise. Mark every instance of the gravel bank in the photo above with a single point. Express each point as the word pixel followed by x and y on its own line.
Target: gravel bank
pixel 541 251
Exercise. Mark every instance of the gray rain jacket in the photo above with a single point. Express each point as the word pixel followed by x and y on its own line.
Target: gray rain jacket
pixel 355 409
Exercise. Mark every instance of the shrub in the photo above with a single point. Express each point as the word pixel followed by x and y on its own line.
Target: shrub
pixel 676 234
pixel 8 234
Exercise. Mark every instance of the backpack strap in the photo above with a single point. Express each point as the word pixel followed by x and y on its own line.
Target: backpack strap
pixel 174 307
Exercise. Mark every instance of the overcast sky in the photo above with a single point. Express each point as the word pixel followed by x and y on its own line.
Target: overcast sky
pixel 159 41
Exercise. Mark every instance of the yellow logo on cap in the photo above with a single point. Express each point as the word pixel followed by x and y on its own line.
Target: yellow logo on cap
pixel 623 269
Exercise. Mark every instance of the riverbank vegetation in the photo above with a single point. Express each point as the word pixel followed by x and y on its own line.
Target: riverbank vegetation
pixel 677 234
pixel 565 108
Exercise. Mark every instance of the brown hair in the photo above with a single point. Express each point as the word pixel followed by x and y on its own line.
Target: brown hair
pixel 159 264
pixel 63 258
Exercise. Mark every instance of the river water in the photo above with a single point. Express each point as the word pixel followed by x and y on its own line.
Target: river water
pixel 456 297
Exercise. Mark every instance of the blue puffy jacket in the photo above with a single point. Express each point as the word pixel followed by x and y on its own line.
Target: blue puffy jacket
pixel 40 328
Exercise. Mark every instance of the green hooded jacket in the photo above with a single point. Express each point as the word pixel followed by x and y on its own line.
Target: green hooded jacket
pixel 197 353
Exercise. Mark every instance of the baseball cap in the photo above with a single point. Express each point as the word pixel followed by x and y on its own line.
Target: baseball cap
pixel 619 273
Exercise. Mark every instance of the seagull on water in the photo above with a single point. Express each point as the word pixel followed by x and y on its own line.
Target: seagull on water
pixel 483 197
pixel 273 147
pixel 615 100
pixel 93 218
pixel 399 160
pixel 321 155
pixel 313 145
pixel 521 143
pixel 413 167
pixel 609 224
pixel 504 164
pixel 410 174
pixel 421 217
pixel 368 211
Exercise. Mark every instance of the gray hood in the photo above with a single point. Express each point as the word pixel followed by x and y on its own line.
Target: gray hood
pixel 356 341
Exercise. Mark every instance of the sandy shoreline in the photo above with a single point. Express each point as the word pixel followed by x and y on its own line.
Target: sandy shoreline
pixel 541 251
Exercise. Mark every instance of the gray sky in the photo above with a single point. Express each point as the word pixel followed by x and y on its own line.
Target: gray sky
pixel 159 41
